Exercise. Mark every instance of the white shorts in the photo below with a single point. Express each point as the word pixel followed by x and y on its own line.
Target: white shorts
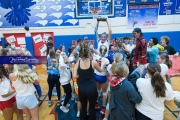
pixel 29 101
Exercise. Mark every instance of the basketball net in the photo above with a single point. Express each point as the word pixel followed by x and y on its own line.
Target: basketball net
pixel 95 13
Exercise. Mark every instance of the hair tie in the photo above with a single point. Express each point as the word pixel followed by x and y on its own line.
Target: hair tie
pixel 156 72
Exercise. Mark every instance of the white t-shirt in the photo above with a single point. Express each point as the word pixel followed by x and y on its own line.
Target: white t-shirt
pixel 4 89
pixel 106 43
pixel 127 47
pixel 99 60
pixel 131 47
pixel 64 71
pixel 151 106
pixel 71 59
pixel 23 89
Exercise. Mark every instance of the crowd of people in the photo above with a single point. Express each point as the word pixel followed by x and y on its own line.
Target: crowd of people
pixel 127 73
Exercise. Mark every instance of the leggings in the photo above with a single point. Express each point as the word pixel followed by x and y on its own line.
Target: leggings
pixel 52 80
pixel 88 93
pixel 68 91
pixel 140 116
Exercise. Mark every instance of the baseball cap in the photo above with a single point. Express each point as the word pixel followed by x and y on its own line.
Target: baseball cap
pixel 138 30
pixel 86 38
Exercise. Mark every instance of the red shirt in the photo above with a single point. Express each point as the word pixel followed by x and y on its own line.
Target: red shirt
pixel 141 51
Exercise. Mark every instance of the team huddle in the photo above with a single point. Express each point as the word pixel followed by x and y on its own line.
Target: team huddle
pixel 128 73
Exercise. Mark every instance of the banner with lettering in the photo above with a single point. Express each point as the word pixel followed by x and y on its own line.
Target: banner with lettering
pixel 177 7
pixel 143 16
pixel 120 8
pixel 167 7
pixel 40 41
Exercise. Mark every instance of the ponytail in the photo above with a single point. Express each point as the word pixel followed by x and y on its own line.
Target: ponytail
pixel 158 85
pixel 169 63
pixel 117 58
pixel 166 57
pixel 113 67
pixel 157 81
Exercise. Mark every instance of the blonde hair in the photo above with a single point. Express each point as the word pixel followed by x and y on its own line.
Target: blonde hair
pixel 24 73
pixel 117 58
pixel 121 70
pixel 166 38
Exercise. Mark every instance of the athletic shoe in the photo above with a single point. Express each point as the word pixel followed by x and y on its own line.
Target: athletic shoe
pixel 64 109
pixel 105 119
pixel 67 105
pixel 103 111
pixel 97 106
pixel 78 114
pixel 50 103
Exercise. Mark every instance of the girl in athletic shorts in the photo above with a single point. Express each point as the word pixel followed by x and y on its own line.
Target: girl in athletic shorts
pixel 101 77
pixel 22 80
pixel 7 97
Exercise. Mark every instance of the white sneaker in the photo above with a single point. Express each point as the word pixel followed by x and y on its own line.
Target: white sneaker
pixel 105 119
pixel 64 109
pixel 78 114
pixel 67 105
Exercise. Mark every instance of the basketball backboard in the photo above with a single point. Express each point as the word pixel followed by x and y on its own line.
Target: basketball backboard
pixel 92 8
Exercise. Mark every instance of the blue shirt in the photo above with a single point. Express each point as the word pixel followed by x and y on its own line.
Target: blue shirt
pixel 110 57
pixel 52 71
pixel 152 54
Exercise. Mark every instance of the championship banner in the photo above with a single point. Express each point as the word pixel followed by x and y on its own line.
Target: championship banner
pixel 177 7
pixel 119 8
pixel 167 7
pixel 40 41
pixel 142 16
pixel 17 40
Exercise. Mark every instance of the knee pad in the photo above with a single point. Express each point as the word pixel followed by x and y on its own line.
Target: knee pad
pixel 104 93
pixel 107 106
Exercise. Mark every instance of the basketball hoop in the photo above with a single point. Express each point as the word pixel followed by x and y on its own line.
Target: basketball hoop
pixel 95 8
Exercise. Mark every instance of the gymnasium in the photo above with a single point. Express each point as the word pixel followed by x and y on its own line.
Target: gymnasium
pixel 94 59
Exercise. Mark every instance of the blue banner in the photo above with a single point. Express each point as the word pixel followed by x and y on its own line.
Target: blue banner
pixel 167 7
pixel 143 16
pixel 119 8
pixel 37 13
pixel 23 60
pixel 177 7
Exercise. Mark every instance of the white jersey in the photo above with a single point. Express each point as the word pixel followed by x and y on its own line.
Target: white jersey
pixel 5 88
pixel 99 60
pixel 106 43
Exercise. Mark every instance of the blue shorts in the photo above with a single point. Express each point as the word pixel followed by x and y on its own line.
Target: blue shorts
pixel 100 79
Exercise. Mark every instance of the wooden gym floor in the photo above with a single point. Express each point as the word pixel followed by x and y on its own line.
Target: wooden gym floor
pixel 45 112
